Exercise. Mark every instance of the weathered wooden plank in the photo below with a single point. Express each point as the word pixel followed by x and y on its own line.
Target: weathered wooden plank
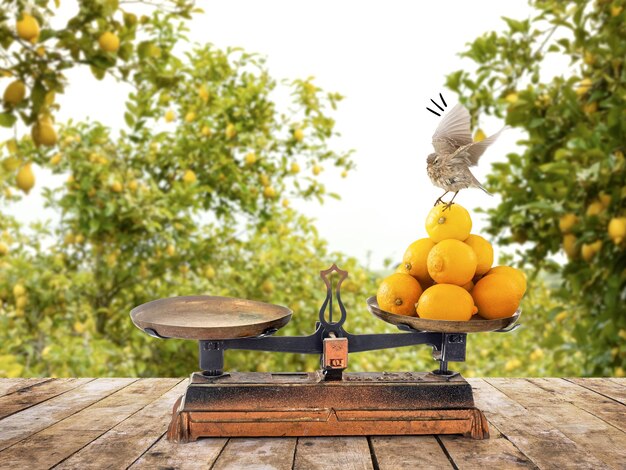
pixel 36 393
pixel 12 385
pixel 346 453
pixel 32 420
pixel 597 404
pixel 257 453
pixel 541 442
pixel 57 442
pixel 126 442
pixel 607 387
pixel 587 431
pixel 198 455
pixel 393 452
pixel 495 452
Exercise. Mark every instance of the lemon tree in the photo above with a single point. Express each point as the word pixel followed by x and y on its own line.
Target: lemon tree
pixel 565 192
pixel 173 204
pixel 109 37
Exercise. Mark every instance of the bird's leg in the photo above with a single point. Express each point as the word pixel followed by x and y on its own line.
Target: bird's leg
pixel 438 201
pixel 449 204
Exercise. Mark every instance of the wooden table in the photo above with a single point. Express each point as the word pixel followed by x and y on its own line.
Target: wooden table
pixel 120 423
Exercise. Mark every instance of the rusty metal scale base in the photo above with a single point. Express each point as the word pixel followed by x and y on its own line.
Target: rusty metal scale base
pixel 305 404
pixel 329 402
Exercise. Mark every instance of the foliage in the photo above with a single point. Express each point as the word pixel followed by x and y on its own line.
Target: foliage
pixel 191 197
pixel 572 160
pixel 206 164
pixel 41 63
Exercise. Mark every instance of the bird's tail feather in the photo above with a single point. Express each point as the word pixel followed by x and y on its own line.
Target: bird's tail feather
pixel 480 186
pixel 477 184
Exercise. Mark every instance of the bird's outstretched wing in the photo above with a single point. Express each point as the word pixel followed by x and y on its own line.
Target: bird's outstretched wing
pixel 453 131
pixel 475 150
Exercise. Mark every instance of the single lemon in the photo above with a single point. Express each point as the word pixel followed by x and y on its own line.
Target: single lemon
pixel 298 134
pixel 496 296
pixel 584 86
pixel 590 250
pixel 617 229
pixel 43 133
pixel 518 276
pixel 109 42
pixel 203 93
pixel 451 262
pixel 269 192
pixel 25 178
pixel 230 131
pixel 19 290
pixel 14 93
pixel 414 261
pixel 569 246
pixel 484 253
pixel 446 302
pixel 567 222
pixel 27 27
pixel 479 136
pixel 398 294
pixel 189 177
pixel 595 208
pixel 250 158
pixel 454 222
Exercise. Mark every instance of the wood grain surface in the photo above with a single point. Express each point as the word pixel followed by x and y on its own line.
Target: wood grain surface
pixel 120 423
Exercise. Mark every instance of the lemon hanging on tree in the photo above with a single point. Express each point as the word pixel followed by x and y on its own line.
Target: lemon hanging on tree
pixel 189 177
pixel 25 178
pixel 43 133
pixel 109 42
pixel 27 27
pixel 15 93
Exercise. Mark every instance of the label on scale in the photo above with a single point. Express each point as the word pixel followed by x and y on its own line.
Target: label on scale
pixel 335 353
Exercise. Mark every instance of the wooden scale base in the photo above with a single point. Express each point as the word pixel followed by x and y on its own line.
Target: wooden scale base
pixel 304 404
pixel 329 402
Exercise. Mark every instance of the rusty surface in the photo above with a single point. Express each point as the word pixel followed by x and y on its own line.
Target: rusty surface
pixel 204 317
pixel 303 404
pixel 474 325
pixel 335 353
pixel 190 425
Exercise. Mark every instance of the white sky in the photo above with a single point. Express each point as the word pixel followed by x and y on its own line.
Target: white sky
pixel 388 58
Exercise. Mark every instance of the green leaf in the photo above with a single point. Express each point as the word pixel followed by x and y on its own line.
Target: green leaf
pixel 7 119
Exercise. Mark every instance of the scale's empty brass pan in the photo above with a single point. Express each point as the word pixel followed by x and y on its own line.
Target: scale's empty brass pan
pixel 204 317
pixel 474 325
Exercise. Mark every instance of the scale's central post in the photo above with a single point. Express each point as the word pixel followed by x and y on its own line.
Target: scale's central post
pixel 328 402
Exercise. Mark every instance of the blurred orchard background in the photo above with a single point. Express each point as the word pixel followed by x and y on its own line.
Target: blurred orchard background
pixel 151 149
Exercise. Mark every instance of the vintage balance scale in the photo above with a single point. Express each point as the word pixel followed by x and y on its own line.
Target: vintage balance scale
pixel 328 402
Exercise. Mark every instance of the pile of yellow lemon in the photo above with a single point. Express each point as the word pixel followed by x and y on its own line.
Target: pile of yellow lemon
pixel 448 276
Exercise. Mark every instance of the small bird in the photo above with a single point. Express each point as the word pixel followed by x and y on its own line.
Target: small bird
pixel 455 152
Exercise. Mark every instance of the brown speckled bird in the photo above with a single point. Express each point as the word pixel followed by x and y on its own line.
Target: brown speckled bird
pixel 455 152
